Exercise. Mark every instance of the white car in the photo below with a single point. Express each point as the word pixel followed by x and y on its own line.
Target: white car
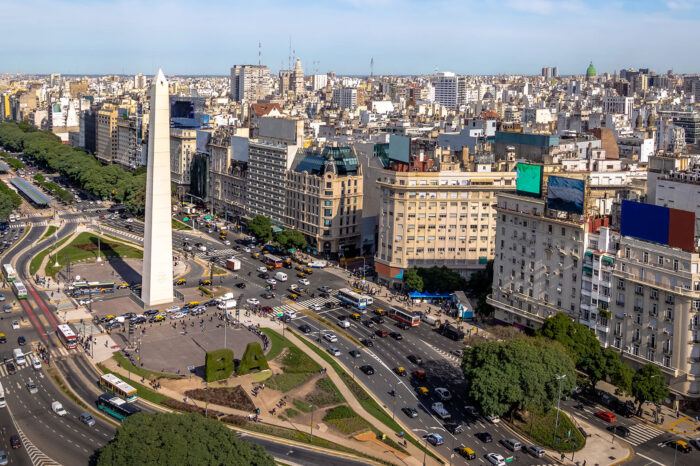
pixel 172 309
pixel 254 301
pixel 178 315
pixel 440 410
pixel 202 248
pixel 496 459
pixel 85 301
pixel 271 281
pixel 494 419
pixel 247 249
pixel 15 325
pixel 36 364
pixel 227 242
pixel 443 393
pixel 334 351
pixel 129 220
pixel 330 337
pixel 315 307
pixel 304 281
pixel 262 269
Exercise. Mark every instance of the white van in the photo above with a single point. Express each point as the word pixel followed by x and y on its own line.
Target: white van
pixel 19 357
pixel 291 314
pixel 225 297
pixel 281 276
pixel 344 324
pixel 226 305
pixel 430 320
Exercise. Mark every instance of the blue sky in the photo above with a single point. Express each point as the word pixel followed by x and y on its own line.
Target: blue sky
pixel 403 36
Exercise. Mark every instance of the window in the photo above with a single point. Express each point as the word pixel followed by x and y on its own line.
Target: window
pixel 645 257
pixel 661 260
pixel 675 265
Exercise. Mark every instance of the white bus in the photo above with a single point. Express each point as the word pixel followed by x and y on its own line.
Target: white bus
pixel 116 386
pixel 356 299
pixel 2 397
pixel 9 272
pixel 19 289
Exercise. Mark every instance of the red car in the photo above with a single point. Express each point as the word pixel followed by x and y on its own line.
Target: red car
pixel 606 416
pixel 381 333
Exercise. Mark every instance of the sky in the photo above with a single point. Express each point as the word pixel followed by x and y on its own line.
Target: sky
pixel 403 36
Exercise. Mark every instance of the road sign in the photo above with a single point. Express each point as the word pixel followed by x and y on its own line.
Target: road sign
pixel 207 217
pixel 185 219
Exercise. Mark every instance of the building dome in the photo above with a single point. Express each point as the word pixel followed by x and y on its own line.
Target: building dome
pixel 590 71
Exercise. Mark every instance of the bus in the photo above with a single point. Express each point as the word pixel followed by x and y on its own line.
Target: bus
pixel 88 288
pixel 116 407
pixel 19 289
pixel 67 336
pixel 274 261
pixel 2 397
pixel 356 299
pixel 406 317
pixel 116 386
pixel 9 272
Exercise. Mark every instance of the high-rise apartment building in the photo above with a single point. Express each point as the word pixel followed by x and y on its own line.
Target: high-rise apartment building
pixel 250 83
pixel 324 200
pixel 319 81
pixel 131 149
pixel 615 104
pixel 183 146
pixel 106 134
pixel 345 98
pixel 450 89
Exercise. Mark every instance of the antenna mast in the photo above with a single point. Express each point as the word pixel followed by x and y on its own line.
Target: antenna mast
pixel 259 53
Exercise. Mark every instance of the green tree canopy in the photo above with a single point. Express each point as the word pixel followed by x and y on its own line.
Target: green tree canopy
pixel 441 279
pixel 261 227
pixel 291 239
pixel 167 438
pixel 649 384
pixel 506 376
pixel 412 280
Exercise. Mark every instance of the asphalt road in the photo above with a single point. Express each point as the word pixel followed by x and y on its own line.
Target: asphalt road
pixel 298 455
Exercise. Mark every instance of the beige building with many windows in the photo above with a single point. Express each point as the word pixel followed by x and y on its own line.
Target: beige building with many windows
pixel 183 146
pixel 324 200
pixel 106 134
pixel 436 218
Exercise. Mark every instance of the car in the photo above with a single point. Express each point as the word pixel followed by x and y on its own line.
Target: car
pixel 381 333
pixel 325 289
pixel 496 459
pixel 85 418
pixel 306 328
pixel 419 375
pixel 415 359
pixel 484 437
pixel 493 418
pixel 177 315
pixel 367 342
pixel 304 281
pixel 695 442
pixel 466 452
pixel 403 325
pixel 536 451
pixel 31 386
pixel 423 391
pixel 679 445
pixel 240 285
pixel 315 307
pixel 434 439
pixel 378 319
pixel 246 249
pixel 3 338
pixel 271 281
pixel 151 312
pixel 3 458
pixel 454 428
pixel 355 353
pixel 401 371
pixel 439 409
pixel 21 341
pixel 471 410
pixel 367 369
pixel 328 305
pixel 396 336
pixel 2 297
pixel 157 318
pixel 330 337
pixel 253 301
pixel 113 324
pixel 10 366
pixel 620 431
pixel 334 351
pixel 410 412
pixel 268 295
pixel 15 325
pixel 15 442
pixel 172 309
pixel 511 444
pixel 6 308
pixel 443 393
pixel 606 416
pixel 262 269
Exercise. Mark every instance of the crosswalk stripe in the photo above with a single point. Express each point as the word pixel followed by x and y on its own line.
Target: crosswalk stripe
pixel 640 433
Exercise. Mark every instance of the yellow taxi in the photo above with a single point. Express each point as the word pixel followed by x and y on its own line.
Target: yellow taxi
pixel 3 338
pixel 193 303
pixel 122 285
pixel 206 282
pixel 423 391
pixel 158 318
pixel 293 297
pixel 467 452
pixel 355 316
pixel 379 312
pixel 301 275
pixel 270 267
pixel 401 371
pixel 255 255
pixel 181 281
pixel 299 267
pixel 308 271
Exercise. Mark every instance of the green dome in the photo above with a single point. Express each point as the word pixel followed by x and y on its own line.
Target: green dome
pixel 591 70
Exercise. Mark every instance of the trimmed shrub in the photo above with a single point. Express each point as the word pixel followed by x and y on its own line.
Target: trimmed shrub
pixel 218 365
pixel 253 358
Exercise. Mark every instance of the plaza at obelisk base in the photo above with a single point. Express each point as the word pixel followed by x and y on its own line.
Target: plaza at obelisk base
pixel 157 279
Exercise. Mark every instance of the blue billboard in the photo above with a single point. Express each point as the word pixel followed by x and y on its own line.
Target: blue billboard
pixel 566 194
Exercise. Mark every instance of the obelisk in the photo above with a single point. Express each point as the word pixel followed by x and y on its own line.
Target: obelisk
pixel 157 284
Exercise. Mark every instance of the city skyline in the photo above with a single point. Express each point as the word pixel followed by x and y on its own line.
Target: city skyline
pixel 404 37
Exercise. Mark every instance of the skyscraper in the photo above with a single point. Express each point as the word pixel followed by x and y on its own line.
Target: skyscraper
pixel 157 275
pixel 250 83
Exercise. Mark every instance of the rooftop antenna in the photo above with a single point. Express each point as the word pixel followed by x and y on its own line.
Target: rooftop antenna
pixel 259 53
pixel 371 68
pixel 290 52
pixel 436 69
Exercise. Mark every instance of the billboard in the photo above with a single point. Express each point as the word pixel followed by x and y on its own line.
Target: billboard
pixel 672 227
pixel 529 180
pixel 566 194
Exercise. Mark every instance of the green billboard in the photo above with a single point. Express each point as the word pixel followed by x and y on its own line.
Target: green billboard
pixel 529 180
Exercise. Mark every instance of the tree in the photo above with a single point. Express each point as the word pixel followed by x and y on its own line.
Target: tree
pixel 441 279
pixel 622 377
pixel 218 365
pixel 506 376
pixel 261 227
pixel 168 438
pixel 253 358
pixel 412 280
pixel 291 239
pixel 649 384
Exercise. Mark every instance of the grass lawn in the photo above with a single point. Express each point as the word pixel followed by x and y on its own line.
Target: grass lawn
pixel 39 258
pixel 291 412
pixel 344 419
pixel 287 382
pixel 324 394
pixel 540 428
pixel 178 225
pixel 150 375
pixel 277 343
pixel 49 231
pixel 302 406
pixel 85 247
pixel 367 401
pixel 143 391
pixel 297 368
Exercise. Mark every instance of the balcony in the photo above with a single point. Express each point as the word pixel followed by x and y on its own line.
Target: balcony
pixel 638 309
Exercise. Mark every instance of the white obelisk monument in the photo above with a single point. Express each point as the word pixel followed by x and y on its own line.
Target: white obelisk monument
pixel 157 284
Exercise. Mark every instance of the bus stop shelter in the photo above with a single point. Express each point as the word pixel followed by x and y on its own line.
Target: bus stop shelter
pixel 30 192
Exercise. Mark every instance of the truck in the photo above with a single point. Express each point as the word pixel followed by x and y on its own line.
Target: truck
pixel 439 409
pixel 226 305
pixel 57 408
pixel 452 332
pixel 233 264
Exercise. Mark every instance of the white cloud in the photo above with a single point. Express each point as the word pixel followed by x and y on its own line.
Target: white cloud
pixel 544 7
pixel 681 4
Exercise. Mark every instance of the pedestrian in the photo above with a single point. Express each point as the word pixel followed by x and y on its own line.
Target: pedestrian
pixel 677 414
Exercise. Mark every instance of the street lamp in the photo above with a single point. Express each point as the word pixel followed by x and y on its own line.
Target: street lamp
pixel 556 422
pixel 311 439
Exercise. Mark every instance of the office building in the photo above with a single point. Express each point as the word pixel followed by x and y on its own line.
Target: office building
pixel 106 134
pixel 345 98
pixel 131 149
pixel 228 171
pixel 250 83
pixel 615 104
pixel 183 146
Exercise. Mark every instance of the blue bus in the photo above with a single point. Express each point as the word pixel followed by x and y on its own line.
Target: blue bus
pixel 116 407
